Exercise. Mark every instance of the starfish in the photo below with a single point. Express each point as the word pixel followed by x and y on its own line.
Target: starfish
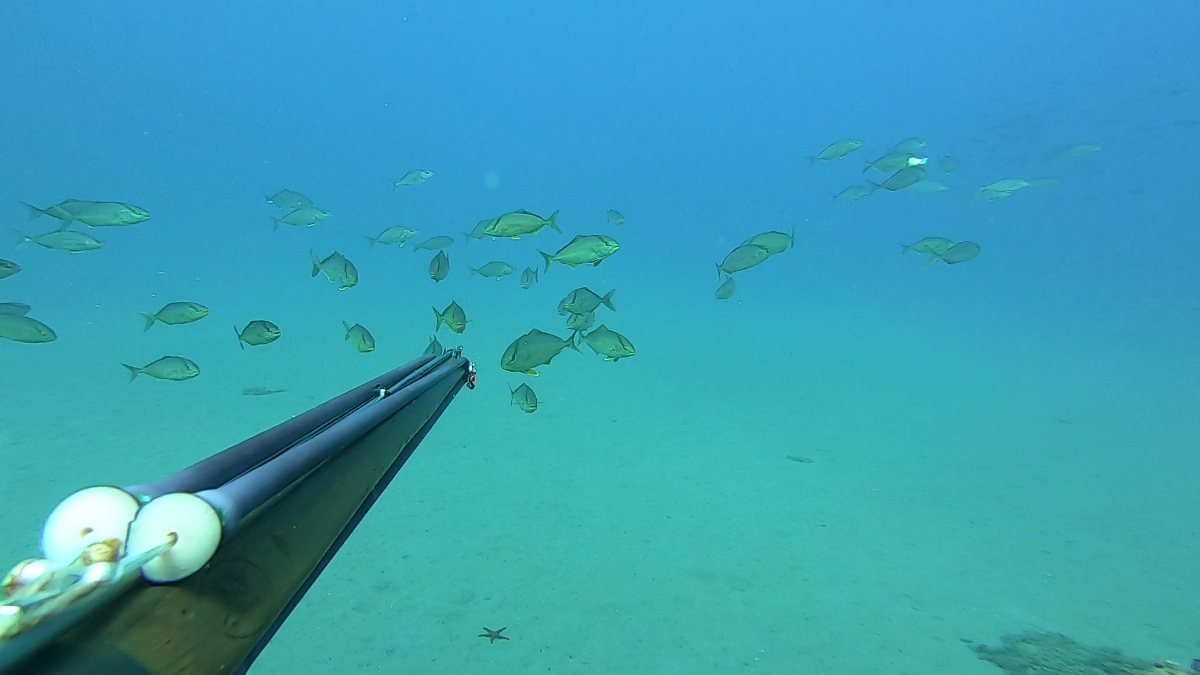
pixel 493 635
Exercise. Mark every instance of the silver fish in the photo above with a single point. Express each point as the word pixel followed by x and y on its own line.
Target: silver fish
pixel 92 214
pixel 359 337
pixel 64 240
pixel 533 349
pixel 610 344
pixel 175 313
pixel 524 397
pixel 529 277
pixel 305 216
pixel 725 290
pixel 337 269
pixel 584 249
pixel 495 270
pixel 289 199
pixel 393 236
pixel 414 177
pixel 439 267
pixel 742 258
pixel 20 328
pixel 453 316
pixel 256 333
pixel 174 368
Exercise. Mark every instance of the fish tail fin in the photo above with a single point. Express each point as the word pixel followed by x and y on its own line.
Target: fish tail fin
pixel 347 327
pixel 370 239
pixel 548 258
pixel 466 238
pixel 316 264
pixel 875 187
pixel 552 221
pixel 607 300
pixel 792 235
pixel 241 342
pixel 573 341
pixel 34 211
pixel 53 212
pixel 812 161
pixel 718 271
pixel 134 371
pixel 150 319
pixel 22 238
pixel 275 222
pixel 474 270
pixel 440 319
pixel 905 248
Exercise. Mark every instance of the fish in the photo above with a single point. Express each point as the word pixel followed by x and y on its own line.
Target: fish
pixel 903 178
pixel 773 241
pixel 726 289
pixel 615 217
pixel 960 252
pixel 1007 185
pixel 582 250
pixel 894 161
pixel 453 316
pixel 359 337
pixel 1076 151
pixel 435 348
pixel 585 301
pixel 305 216
pixel 8 268
pixel 513 225
pixel 836 150
pixel 261 391
pixel 495 270
pixel 393 236
pixel 289 199
pixel 931 245
pixel 64 240
pixel 948 163
pixel 580 322
pixel 742 258
pixel 175 313
pixel 524 397
pixel 17 308
pixel 337 269
pixel 533 349
pixel 434 244
pixel 439 267
pixel 256 333
pixel 529 277
pixel 175 368
pixel 92 214
pixel 852 193
pixel 610 344
pixel 414 177
pixel 20 328
pixel 913 145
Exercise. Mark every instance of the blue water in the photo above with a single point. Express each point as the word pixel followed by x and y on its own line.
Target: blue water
pixel 998 446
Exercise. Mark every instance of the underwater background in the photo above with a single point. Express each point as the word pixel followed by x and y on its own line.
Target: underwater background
pixel 861 462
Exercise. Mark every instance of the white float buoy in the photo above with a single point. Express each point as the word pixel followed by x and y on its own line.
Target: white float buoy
pixel 190 522
pixel 89 516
